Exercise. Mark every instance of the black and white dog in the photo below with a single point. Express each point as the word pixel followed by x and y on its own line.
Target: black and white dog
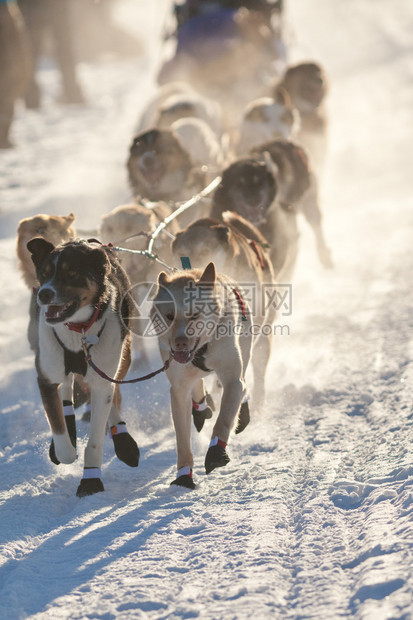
pixel 83 291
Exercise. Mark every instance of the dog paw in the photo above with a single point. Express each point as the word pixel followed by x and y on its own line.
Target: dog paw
pixel 89 486
pixel 199 417
pixel 71 429
pixel 184 481
pixel 216 457
pixel 126 448
pixel 243 418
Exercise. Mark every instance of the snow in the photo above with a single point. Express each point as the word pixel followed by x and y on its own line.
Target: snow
pixel 312 518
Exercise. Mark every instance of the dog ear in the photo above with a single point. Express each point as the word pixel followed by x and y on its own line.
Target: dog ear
pixel 208 276
pixel 162 279
pixel 39 248
pixel 270 163
pixel 69 219
pixel 282 97
pixel 222 232
pixel 98 263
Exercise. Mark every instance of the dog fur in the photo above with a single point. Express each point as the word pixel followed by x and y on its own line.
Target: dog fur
pixel 121 227
pixel 177 100
pixel 189 331
pixel 53 228
pixel 249 188
pixel 161 168
pixel 298 188
pixel 265 119
pixel 238 251
pixel 79 281
pixel 307 85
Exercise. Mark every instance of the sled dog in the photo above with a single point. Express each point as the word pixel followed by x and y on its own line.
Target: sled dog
pixel 239 251
pixel 82 292
pixel 202 324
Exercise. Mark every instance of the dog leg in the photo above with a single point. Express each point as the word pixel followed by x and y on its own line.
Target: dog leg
pixel 181 405
pixel 66 392
pixel 201 405
pixel 260 358
pixel 63 448
pixel 126 448
pixel 102 396
pixel 312 213
pixel 233 392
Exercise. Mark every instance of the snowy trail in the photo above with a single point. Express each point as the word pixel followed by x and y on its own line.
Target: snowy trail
pixel 312 518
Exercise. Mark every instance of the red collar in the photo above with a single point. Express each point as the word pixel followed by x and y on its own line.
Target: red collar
pixel 241 304
pixel 80 327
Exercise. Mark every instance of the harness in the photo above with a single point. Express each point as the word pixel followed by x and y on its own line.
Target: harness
pixel 199 357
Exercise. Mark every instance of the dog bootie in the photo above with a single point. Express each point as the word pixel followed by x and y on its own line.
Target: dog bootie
pixel 184 478
pixel 126 448
pixel 91 482
pixel 71 429
pixel 243 417
pixel 202 411
pixel 216 456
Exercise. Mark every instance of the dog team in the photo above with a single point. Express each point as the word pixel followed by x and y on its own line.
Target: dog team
pixel 267 148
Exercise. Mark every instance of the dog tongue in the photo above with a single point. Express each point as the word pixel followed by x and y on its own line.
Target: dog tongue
pixel 182 356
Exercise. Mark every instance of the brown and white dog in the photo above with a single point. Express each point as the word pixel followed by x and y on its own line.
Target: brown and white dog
pixel 203 324
pixel 83 291
pixel 249 188
pixel 55 229
pixel 307 85
pixel 238 251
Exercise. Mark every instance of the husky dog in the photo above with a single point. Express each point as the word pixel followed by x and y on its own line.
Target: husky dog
pixel 82 292
pixel 176 100
pixel 160 167
pixel 249 187
pixel 203 325
pixel 306 84
pixel 267 118
pixel 238 250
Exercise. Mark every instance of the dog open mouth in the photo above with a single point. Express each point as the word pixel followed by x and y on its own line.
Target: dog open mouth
pixel 55 313
pixel 185 356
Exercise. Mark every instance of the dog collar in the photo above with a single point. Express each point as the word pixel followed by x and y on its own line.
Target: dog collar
pixel 85 325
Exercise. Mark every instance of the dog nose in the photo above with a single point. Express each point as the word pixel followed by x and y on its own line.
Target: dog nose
pixel 45 295
pixel 181 343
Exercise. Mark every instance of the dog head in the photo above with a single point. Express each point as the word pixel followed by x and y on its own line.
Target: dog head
pixel 203 239
pixel 187 304
pixel 72 276
pixel 248 187
pixel 53 228
pixel 265 119
pixel 158 165
pixel 306 83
